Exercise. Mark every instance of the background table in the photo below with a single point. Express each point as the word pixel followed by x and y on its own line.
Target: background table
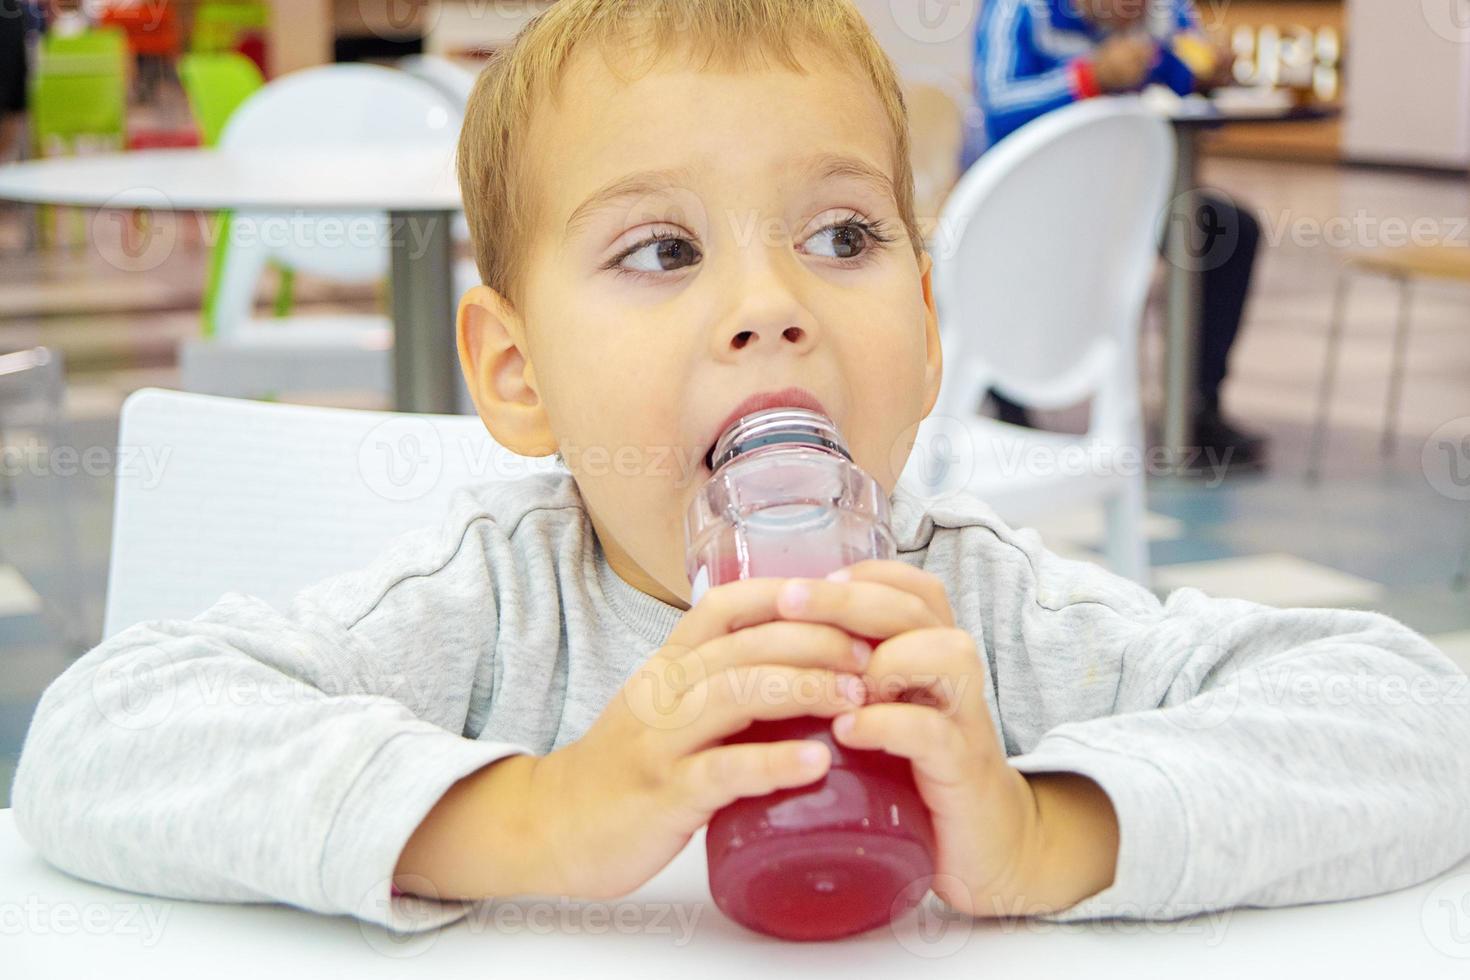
pixel 52 925
pixel 1183 246
pixel 416 187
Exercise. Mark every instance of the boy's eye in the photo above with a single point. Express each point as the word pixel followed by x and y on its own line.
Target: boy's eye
pixel 846 239
pixel 659 253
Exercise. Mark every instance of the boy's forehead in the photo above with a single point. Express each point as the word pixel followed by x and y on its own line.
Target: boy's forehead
pixel 675 121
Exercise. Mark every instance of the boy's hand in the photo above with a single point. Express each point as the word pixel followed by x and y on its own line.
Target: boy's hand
pixel 607 812
pixel 1123 61
pixel 1007 844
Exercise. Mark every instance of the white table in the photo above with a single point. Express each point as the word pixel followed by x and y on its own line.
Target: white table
pixel 1191 118
pixel 52 925
pixel 416 187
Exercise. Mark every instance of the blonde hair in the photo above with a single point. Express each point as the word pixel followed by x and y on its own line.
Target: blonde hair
pixel 493 176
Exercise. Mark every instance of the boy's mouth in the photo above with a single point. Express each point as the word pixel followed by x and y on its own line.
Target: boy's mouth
pixel 784 398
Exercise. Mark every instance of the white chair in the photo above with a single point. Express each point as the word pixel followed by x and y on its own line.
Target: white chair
pixel 359 105
pixel 1042 265
pixel 452 80
pixel 221 495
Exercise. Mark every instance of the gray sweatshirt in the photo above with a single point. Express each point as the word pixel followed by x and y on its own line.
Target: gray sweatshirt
pixel 1254 756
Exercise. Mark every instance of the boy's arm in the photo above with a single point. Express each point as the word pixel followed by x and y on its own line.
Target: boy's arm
pixel 1014 81
pixel 253 756
pixel 1253 756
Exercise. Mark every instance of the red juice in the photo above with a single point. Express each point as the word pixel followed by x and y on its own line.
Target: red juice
pixel 855 849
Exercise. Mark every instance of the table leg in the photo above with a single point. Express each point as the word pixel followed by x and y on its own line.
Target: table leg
pixel 425 361
pixel 1183 248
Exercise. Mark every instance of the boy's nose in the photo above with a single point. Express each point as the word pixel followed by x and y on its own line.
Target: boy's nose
pixel 770 323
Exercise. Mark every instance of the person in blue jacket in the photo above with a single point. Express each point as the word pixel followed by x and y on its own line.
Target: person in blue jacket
pixel 1035 56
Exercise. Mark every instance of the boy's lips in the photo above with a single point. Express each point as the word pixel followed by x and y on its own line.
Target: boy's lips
pixel 784 398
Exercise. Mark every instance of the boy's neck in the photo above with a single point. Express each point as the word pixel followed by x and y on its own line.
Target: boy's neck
pixel 630 571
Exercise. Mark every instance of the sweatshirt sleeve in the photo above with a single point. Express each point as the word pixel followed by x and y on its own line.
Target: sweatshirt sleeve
pixel 1015 80
pixel 1255 756
pixel 251 755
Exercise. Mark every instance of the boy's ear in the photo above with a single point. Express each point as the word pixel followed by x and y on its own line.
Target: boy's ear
pixel 934 355
pixel 499 375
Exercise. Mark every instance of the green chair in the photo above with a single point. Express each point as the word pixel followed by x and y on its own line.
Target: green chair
pixel 216 84
pixel 220 24
pixel 79 97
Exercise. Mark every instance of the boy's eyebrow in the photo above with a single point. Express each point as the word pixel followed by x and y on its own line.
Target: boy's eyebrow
pixel 632 186
pixel 822 167
pixel 834 166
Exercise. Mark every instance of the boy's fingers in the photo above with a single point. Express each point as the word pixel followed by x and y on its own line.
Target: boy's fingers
pixel 780 642
pixel 867 609
pixel 727 608
pixel 719 776
pixel 932 742
pixel 906 577
pixel 941 663
pixel 728 702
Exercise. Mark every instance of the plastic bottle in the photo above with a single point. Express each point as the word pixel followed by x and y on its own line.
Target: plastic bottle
pixel 855 849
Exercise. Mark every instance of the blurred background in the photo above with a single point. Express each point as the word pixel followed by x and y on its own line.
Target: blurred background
pixel 1345 135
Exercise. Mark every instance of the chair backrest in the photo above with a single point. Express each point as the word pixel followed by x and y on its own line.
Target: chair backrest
pixel 349 106
pixel 219 494
pixel 453 81
pixel 1043 258
pixel 80 90
pixel 217 85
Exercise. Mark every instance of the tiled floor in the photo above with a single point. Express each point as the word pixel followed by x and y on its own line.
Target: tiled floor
pixel 1373 533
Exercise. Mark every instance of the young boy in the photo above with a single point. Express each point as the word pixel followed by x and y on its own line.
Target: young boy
pixel 1035 56
pixel 678 206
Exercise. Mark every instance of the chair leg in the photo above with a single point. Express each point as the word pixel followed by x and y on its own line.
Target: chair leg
pixel 1127 548
pixel 1329 376
pixel 1396 375
pixel 7 489
pixel 1462 577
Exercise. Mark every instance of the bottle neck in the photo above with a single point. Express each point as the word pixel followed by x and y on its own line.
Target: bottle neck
pixel 777 427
